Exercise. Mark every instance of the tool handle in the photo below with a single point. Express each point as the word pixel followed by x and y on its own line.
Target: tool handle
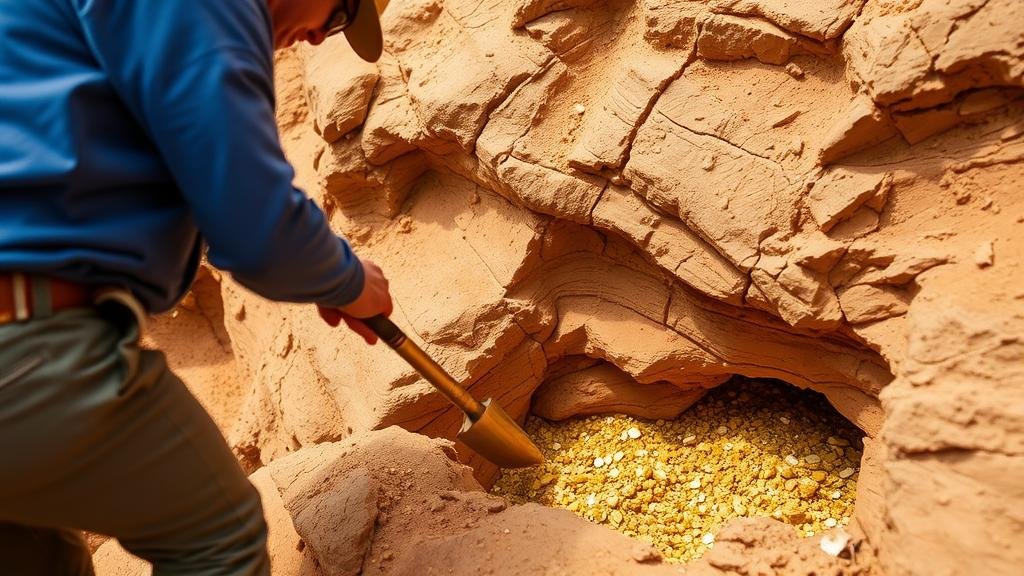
pixel 385 329
pixel 424 364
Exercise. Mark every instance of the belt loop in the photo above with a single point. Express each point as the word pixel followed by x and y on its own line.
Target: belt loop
pixel 21 312
pixel 42 303
pixel 128 300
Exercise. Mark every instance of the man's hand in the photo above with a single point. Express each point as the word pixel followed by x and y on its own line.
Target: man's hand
pixel 374 299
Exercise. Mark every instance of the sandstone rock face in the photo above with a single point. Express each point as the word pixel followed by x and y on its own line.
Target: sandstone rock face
pixel 612 199
pixel 604 389
pixel 339 103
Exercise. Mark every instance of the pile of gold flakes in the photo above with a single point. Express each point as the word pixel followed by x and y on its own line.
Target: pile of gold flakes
pixel 748 448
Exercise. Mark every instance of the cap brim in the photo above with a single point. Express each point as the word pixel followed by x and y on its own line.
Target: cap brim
pixel 364 33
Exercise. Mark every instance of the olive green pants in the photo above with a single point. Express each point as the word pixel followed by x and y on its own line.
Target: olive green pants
pixel 97 434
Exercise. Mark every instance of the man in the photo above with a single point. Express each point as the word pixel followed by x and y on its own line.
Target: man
pixel 133 133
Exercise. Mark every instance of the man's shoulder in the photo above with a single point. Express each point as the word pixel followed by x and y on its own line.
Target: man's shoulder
pixel 192 25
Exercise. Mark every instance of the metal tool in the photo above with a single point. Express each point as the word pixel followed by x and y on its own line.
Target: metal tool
pixel 487 429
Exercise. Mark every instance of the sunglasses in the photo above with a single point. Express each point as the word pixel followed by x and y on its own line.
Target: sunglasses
pixel 341 17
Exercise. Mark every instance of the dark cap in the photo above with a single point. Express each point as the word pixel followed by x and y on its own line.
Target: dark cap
pixel 364 32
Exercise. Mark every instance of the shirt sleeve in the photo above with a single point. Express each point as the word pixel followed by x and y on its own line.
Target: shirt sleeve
pixel 198 77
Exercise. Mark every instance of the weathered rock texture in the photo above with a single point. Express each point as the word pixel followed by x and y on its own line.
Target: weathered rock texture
pixel 617 200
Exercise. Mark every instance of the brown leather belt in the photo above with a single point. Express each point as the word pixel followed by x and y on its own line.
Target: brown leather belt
pixel 17 302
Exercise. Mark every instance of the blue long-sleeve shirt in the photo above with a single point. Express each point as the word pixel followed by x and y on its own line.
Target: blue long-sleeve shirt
pixel 132 130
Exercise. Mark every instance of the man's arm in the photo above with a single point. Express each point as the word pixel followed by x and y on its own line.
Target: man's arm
pixel 197 74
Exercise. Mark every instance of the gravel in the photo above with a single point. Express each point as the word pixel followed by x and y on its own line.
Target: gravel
pixel 673 483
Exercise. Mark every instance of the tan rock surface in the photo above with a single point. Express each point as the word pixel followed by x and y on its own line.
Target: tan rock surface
pixel 604 389
pixel 727 37
pixel 824 19
pixel 340 102
pixel 917 58
pixel 549 184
